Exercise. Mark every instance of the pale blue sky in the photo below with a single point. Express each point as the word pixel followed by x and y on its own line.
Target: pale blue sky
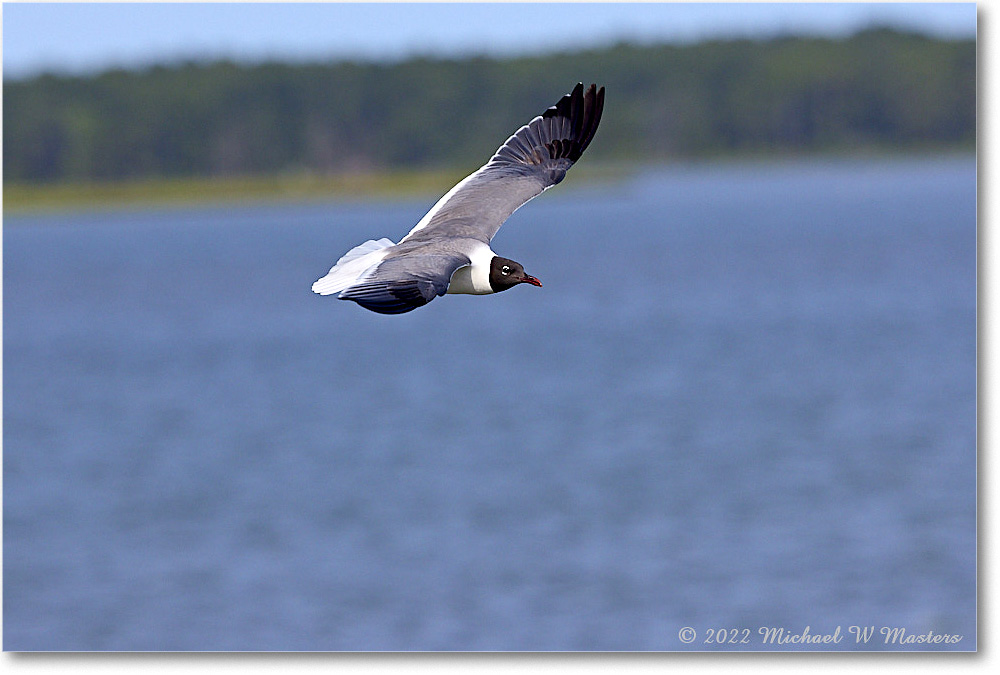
pixel 80 38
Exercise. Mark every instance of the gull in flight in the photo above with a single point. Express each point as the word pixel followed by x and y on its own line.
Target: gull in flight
pixel 448 251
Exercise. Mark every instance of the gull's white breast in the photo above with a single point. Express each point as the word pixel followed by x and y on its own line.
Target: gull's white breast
pixel 474 279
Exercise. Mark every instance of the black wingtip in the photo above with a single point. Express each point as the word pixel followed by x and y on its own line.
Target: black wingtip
pixel 591 106
pixel 593 109
pixel 584 110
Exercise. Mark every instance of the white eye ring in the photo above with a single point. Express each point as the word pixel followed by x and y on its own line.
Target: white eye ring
pixel 505 269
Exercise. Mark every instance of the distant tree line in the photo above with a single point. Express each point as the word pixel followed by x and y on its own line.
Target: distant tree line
pixel 878 88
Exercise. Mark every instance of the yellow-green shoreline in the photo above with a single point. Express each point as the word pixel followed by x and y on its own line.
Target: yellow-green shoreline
pixel 393 184
pixel 178 192
pixel 23 198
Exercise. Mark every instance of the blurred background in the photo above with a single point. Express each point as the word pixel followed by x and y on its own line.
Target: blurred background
pixel 757 407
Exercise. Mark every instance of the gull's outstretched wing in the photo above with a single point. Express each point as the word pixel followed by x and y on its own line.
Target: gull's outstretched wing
pixel 534 159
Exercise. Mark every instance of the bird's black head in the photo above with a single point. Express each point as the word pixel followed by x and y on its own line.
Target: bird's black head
pixel 505 273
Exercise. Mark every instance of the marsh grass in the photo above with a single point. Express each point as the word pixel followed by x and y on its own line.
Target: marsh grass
pixel 19 198
pixel 297 187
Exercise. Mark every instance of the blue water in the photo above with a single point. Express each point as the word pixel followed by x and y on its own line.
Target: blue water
pixel 744 398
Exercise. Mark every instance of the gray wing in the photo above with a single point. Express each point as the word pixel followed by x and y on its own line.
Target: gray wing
pixel 534 159
pixel 401 284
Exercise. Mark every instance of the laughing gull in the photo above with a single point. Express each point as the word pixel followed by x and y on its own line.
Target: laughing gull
pixel 448 251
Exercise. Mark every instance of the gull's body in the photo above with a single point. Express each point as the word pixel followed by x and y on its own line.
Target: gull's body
pixel 448 251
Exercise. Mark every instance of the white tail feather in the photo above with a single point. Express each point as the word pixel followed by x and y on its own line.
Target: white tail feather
pixel 352 267
pixel 365 248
